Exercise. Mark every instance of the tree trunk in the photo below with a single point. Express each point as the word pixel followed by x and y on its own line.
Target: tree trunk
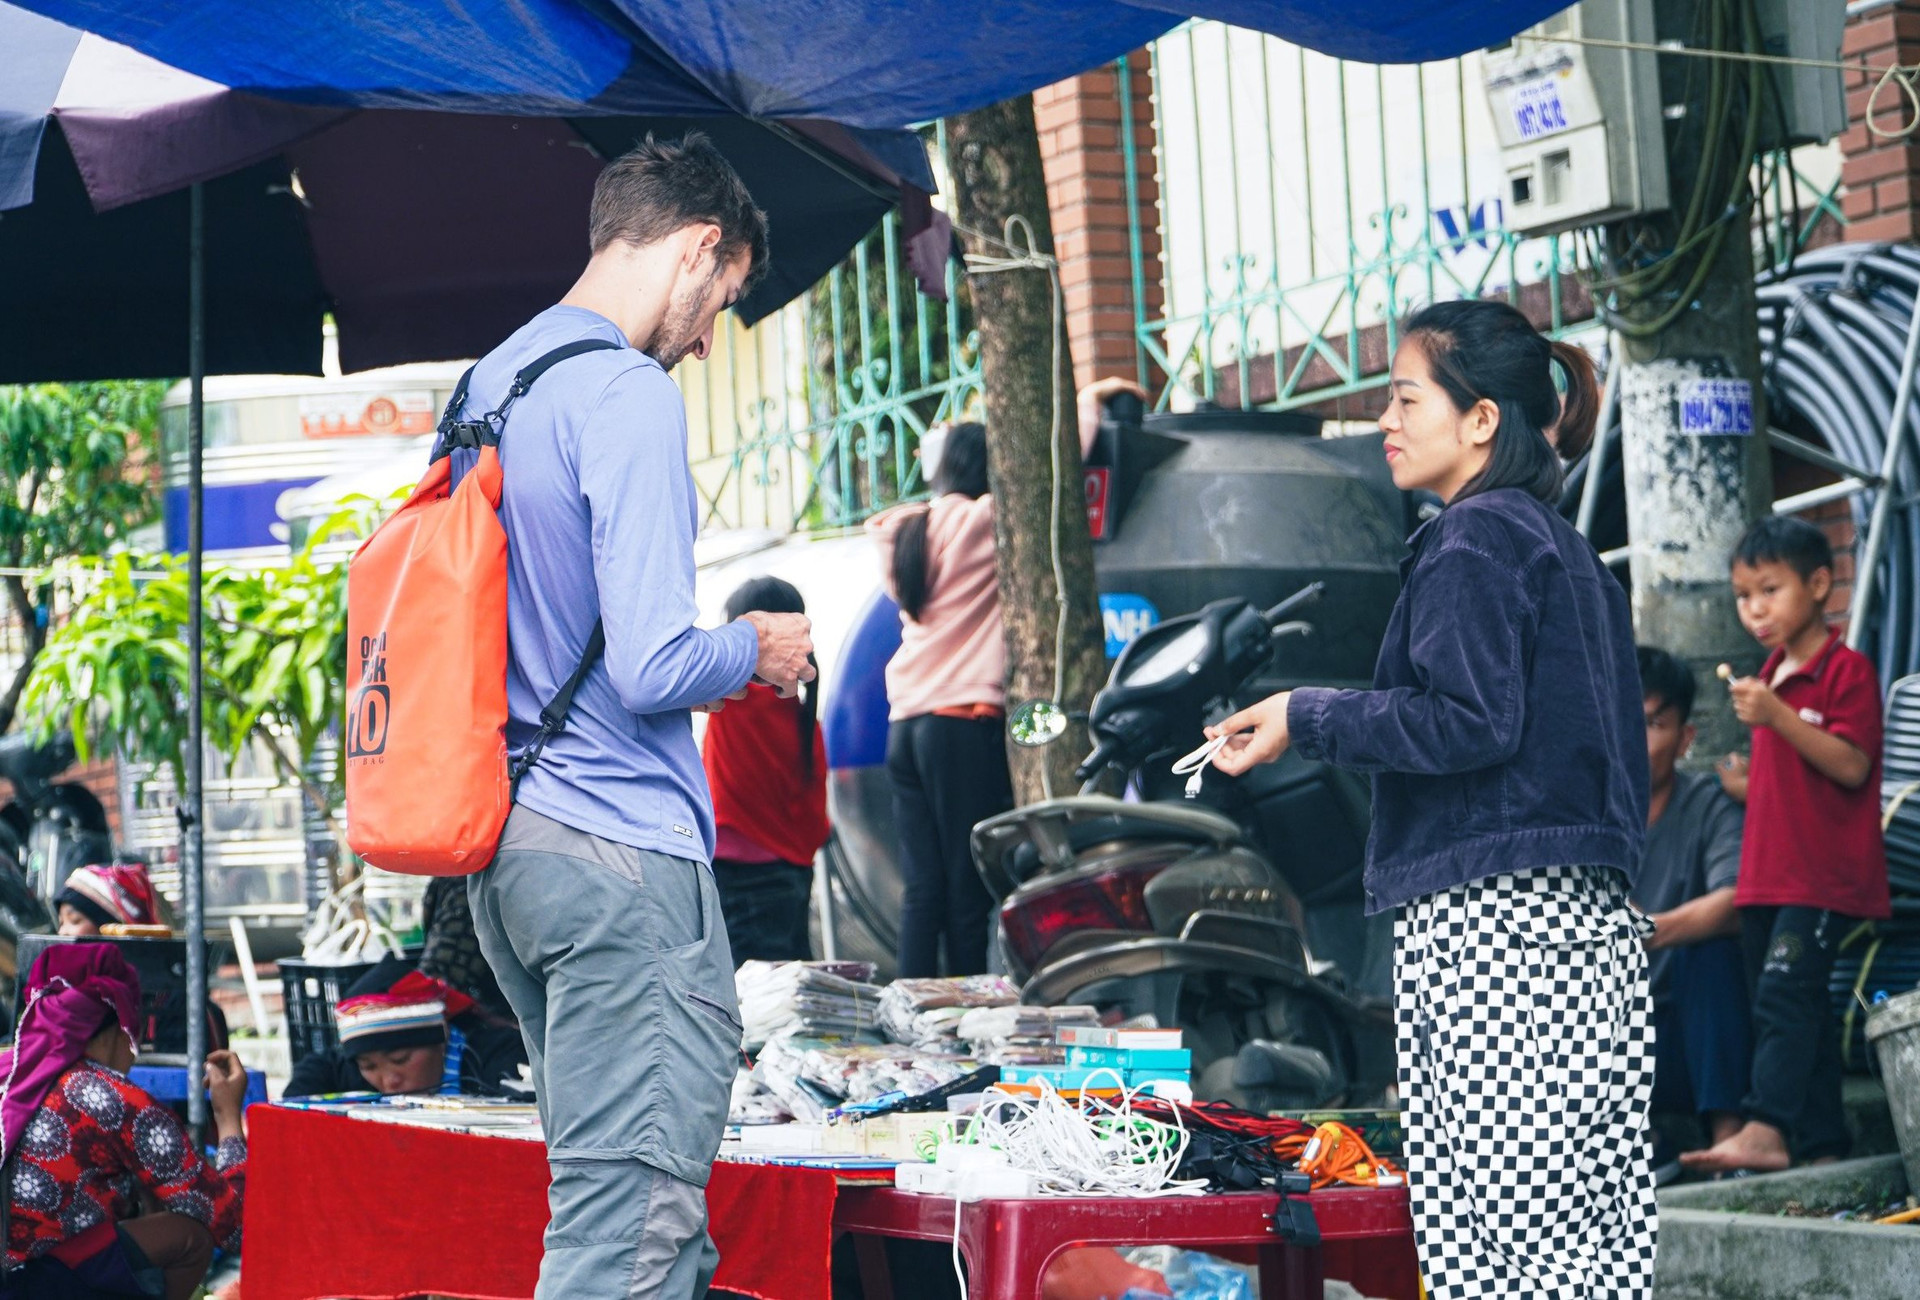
pixel 993 154
pixel 33 639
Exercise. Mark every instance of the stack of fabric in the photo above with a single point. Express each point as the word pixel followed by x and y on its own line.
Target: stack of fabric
pixel 1021 1035
pixel 814 999
pixel 926 1013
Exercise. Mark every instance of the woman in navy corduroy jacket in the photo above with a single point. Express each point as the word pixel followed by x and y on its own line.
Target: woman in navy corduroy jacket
pixel 1505 738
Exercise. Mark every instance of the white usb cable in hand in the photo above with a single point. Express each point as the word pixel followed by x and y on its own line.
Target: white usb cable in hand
pixel 1197 763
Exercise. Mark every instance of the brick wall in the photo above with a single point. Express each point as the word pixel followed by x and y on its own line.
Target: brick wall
pixel 1084 152
pixel 1880 177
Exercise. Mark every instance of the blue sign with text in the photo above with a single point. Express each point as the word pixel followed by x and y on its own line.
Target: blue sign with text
pixel 1125 617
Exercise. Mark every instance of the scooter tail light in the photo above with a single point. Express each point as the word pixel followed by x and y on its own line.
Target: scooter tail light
pixel 1035 919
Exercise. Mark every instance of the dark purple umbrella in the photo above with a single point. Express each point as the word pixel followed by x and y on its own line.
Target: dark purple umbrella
pixel 136 200
pixel 429 235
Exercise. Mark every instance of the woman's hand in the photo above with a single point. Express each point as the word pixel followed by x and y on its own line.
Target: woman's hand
pixel 1259 735
pixel 227 1083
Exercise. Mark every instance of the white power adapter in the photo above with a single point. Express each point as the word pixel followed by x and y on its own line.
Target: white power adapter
pixel 962 1157
pixel 929 1179
pixel 993 1184
pixel 965 1172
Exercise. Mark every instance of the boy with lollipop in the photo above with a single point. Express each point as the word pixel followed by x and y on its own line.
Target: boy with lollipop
pixel 1812 863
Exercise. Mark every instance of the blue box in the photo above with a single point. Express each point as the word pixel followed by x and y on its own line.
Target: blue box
pixel 1069 1079
pixel 1130 1058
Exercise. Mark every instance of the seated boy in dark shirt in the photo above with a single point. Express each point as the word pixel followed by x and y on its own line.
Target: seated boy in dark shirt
pixel 1686 885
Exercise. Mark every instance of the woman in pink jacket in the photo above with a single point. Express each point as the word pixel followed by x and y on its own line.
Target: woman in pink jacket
pixel 946 748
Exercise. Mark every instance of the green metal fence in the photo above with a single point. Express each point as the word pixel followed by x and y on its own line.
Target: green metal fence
pixel 814 419
pixel 1306 205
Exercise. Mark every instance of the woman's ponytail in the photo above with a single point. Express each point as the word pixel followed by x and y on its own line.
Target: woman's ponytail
pixel 910 564
pixel 1573 432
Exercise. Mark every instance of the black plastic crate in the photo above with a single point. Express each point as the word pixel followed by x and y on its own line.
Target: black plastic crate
pixel 312 991
pixel 161 965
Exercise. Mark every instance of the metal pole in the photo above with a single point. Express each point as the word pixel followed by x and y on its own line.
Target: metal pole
pixel 1597 458
pixel 192 863
pixel 823 905
pixel 1863 580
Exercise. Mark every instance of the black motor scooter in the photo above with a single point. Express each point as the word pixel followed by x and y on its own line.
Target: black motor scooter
pixel 50 828
pixel 47 831
pixel 1234 915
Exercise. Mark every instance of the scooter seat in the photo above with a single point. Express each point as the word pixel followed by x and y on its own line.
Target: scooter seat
pixel 1014 847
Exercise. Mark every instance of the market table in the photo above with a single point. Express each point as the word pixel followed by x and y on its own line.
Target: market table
pixel 372 1210
pixel 1367 1236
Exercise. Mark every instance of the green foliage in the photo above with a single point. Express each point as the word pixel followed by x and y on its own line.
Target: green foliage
pixel 73 481
pixel 65 485
pixel 116 672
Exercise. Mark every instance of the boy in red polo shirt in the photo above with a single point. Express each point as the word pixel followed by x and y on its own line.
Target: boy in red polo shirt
pixel 1812 863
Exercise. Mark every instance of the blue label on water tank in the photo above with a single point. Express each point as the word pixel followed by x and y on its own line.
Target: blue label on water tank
pixel 1125 616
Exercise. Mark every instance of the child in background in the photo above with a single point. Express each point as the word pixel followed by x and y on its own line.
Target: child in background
pixel 404 1032
pixel 108 893
pixel 767 767
pixel 1812 862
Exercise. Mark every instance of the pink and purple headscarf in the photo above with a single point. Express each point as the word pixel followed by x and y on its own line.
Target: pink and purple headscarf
pixel 67 990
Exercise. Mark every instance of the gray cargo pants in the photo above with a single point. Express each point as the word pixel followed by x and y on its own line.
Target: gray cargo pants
pixel 616 962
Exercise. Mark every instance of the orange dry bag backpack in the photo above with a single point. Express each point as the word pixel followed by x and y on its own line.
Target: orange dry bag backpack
pixel 429 780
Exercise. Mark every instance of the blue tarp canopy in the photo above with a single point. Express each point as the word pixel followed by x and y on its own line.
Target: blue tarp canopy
pixel 865 63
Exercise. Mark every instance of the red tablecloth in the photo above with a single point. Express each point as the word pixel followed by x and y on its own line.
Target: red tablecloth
pixel 374 1211
pixel 342 1207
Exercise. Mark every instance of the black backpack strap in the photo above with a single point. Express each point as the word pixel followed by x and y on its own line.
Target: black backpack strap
pixel 554 717
pixel 486 431
pixel 445 443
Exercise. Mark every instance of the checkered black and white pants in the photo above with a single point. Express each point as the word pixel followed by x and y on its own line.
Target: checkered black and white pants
pixel 1526 1068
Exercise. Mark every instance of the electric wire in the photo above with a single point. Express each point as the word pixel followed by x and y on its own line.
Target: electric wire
pixel 1721 199
pixel 1023 254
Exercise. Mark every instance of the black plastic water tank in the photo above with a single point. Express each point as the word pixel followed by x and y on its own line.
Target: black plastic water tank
pixel 1257 504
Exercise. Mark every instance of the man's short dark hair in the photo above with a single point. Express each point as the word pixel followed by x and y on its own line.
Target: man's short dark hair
pixel 1665 677
pixel 1782 539
pixel 660 186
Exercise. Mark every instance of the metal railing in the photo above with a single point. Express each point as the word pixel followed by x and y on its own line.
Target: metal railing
pixel 813 418
pixel 1306 205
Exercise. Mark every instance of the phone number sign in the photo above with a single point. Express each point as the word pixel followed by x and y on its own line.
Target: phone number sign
pixel 1536 109
pixel 1711 407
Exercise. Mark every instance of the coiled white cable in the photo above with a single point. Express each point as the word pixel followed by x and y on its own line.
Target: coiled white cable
pixel 1093 1147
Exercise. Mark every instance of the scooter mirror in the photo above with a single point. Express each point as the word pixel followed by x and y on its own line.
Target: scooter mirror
pixel 1037 723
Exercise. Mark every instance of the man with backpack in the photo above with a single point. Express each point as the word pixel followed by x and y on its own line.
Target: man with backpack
pixel 598 913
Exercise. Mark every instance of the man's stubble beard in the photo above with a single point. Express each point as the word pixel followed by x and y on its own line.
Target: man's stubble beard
pixel 680 330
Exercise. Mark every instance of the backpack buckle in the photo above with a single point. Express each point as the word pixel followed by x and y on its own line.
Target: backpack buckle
pixel 470 434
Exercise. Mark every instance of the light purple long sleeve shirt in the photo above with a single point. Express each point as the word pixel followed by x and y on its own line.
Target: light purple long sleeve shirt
pixel 601 512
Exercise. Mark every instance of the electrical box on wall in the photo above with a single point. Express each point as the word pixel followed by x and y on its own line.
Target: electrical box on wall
pixel 1580 126
pixel 1813 101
